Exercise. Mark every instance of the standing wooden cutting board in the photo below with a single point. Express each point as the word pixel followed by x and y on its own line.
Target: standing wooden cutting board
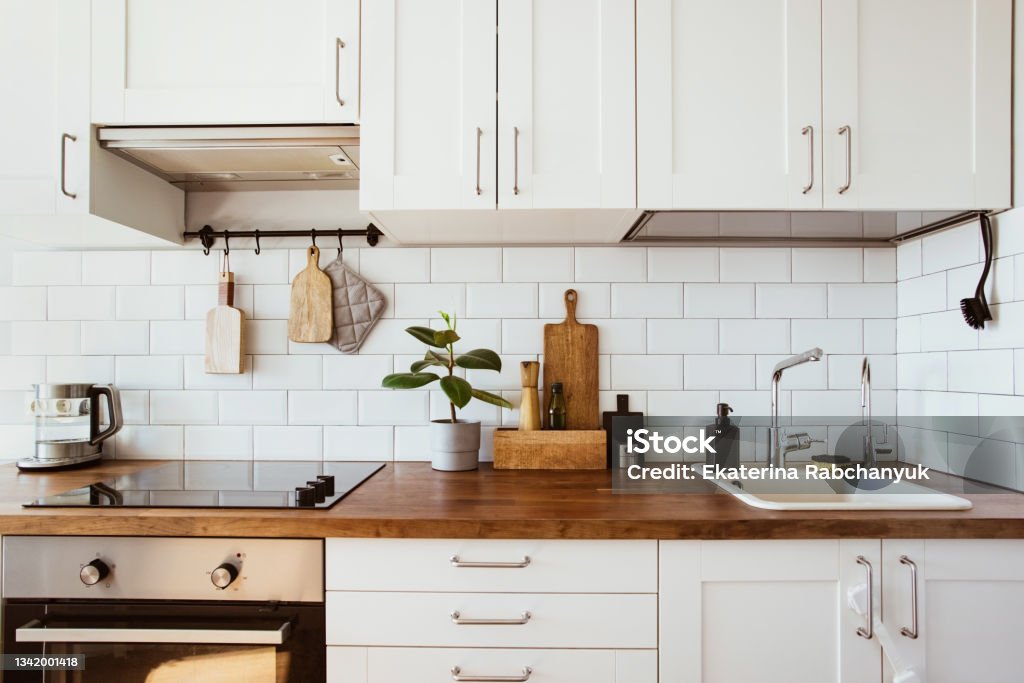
pixel 311 315
pixel 570 357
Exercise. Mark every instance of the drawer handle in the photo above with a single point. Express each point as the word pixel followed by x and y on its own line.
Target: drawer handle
pixel 457 675
pixel 868 630
pixel 912 631
pixel 459 620
pixel 456 562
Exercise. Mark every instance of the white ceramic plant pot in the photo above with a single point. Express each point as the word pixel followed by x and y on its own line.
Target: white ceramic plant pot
pixel 455 447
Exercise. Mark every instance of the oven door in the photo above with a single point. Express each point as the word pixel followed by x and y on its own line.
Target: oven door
pixel 165 643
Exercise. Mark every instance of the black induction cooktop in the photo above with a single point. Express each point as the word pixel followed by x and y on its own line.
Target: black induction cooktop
pixel 222 484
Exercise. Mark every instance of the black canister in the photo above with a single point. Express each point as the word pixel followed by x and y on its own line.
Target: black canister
pixel 320 488
pixel 305 496
pixel 328 480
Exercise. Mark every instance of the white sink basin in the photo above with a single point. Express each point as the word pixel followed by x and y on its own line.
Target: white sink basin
pixel 818 494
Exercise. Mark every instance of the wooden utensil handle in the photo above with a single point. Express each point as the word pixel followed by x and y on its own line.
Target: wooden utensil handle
pixel 529 371
pixel 571 298
pixel 226 289
pixel 313 257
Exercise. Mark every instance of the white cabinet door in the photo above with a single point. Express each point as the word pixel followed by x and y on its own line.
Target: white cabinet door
pixel 921 93
pixel 970 607
pixel 729 104
pixel 566 117
pixel 766 611
pixel 429 132
pixel 230 61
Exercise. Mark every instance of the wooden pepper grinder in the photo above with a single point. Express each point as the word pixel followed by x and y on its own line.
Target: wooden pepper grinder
pixel 529 407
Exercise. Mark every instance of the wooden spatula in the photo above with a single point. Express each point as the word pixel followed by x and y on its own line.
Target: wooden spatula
pixel 225 331
pixel 311 316
pixel 570 357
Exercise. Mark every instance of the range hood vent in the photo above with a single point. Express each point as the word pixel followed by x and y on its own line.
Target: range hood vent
pixel 217 158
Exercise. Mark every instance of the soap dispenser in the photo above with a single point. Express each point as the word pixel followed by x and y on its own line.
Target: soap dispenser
pixel 727 439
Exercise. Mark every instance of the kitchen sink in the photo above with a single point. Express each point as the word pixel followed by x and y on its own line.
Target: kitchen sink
pixel 807 493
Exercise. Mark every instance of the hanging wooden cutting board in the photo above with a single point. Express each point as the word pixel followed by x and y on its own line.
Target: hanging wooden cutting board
pixel 570 357
pixel 311 315
pixel 225 331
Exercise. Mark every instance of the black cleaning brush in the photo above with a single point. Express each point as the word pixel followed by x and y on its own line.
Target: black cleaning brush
pixel 975 309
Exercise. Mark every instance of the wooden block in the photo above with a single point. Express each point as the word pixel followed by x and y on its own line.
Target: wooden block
pixel 570 357
pixel 549 450
pixel 311 315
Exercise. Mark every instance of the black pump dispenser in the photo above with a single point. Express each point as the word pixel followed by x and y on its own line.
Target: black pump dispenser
pixel 727 439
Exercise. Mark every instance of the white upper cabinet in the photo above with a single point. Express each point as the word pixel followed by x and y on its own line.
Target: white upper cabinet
pixel 429 134
pixel 834 104
pixel 57 187
pixel 226 62
pixel 729 104
pixel 518 104
pixel 566 104
pixel 921 93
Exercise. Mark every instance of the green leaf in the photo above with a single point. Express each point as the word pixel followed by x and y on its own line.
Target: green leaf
pixel 493 399
pixel 425 363
pixel 457 389
pixel 444 338
pixel 479 359
pixel 445 318
pixel 424 334
pixel 408 380
pixel 434 355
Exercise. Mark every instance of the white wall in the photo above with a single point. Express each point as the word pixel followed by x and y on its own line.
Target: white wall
pixel 681 329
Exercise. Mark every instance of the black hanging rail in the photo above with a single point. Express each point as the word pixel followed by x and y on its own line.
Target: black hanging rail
pixel 207 235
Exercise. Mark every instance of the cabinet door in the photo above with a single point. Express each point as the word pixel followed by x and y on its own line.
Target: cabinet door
pixel 230 61
pixel 429 136
pixel 767 611
pixel 729 104
pixel 916 103
pixel 970 607
pixel 566 116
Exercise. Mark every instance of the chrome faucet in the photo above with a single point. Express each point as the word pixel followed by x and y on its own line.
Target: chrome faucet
pixel 780 444
pixel 870 446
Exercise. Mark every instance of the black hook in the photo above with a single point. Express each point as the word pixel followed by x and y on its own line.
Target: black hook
pixel 341 246
pixel 256 234
pixel 206 239
pixel 313 233
pixel 227 247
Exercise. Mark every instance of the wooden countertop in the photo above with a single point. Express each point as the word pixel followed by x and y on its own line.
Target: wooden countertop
pixel 409 500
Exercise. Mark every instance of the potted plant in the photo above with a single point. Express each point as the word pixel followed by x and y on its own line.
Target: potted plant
pixel 454 443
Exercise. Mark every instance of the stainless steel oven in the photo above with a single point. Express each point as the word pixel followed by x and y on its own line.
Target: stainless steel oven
pixel 164 610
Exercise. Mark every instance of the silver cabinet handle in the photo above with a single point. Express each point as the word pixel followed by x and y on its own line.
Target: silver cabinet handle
pixel 515 160
pixel 868 632
pixel 339 45
pixel 479 134
pixel 808 131
pixel 912 631
pixel 458 619
pixel 456 562
pixel 457 675
pixel 63 164
pixel 845 130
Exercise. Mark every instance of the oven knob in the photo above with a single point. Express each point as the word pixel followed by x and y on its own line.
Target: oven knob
pixel 224 575
pixel 94 572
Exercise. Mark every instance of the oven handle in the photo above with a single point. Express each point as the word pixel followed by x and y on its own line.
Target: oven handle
pixel 35 632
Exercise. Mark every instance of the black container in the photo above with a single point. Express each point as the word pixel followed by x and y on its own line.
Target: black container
pixel 328 480
pixel 727 439
pixel 319 487
pixel 305 496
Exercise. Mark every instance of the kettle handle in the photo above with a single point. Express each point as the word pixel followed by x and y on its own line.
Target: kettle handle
pixel 113 397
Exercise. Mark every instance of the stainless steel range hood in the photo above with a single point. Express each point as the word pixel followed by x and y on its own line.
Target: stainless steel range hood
pixel 217 158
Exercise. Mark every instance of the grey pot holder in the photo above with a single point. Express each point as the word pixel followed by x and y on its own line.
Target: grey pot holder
pixel 357 307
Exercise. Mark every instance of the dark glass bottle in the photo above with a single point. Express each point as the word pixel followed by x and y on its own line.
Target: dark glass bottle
pixel 556 411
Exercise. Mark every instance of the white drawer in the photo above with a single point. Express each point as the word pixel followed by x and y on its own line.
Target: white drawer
pixel 434 665
pixel 554 620
pixel 554 566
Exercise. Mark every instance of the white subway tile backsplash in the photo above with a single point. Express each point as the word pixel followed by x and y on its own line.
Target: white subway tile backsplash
pixel 150 442
pixel 465 264
pixel 874 300
pixel 268 337
pixel 41 268
pixel 982 372
pixel 366 443
pixel 753 336
pixel 485 413
pixel 755 265
pixel 792 301
pixel 681 403
pixel 199 299
pixel 218 443
pixel 524 336
pixel 620 335
pixel 115 338
pixel 880 265
pixel 608 402
pixel 148 372
pixel 511 300
pixel 189 267
pixel 356 372
pixel 806 376
pixel 196 376
pixel 718 372
pixel 646 372
pixel 115 267
pixel 144 302
pixel 1005 330
pixel 961 283
pixel 537 264
pixel 134 407
pixel 177 337
pixel 879 336
pixel 682 336
pixel 387 407
pixel 908 335
pixel 831 404
pixel 80 369
pixel 15 407
pixel 269 268
pixel 288 443
pixel 389 336
pixel 80 303
pixel 271 302
pixel 986 460
pixel 296 261
pixel 322 407
pixel 287 372
pixel 31 338
pixel 925 371
pixel 718 300
pixel 908 260
pixel 611 264
pixel 18 440
pixel 22 303
pixel 395 265
pixel 424 301
pixel 662 300
pixel 828 265
pixel 183 407
pixel 253 407
pixel 948 249
pixel 844 371
pixel 682 264
pixel 921 295
pixel 946 331
pixel 594 299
